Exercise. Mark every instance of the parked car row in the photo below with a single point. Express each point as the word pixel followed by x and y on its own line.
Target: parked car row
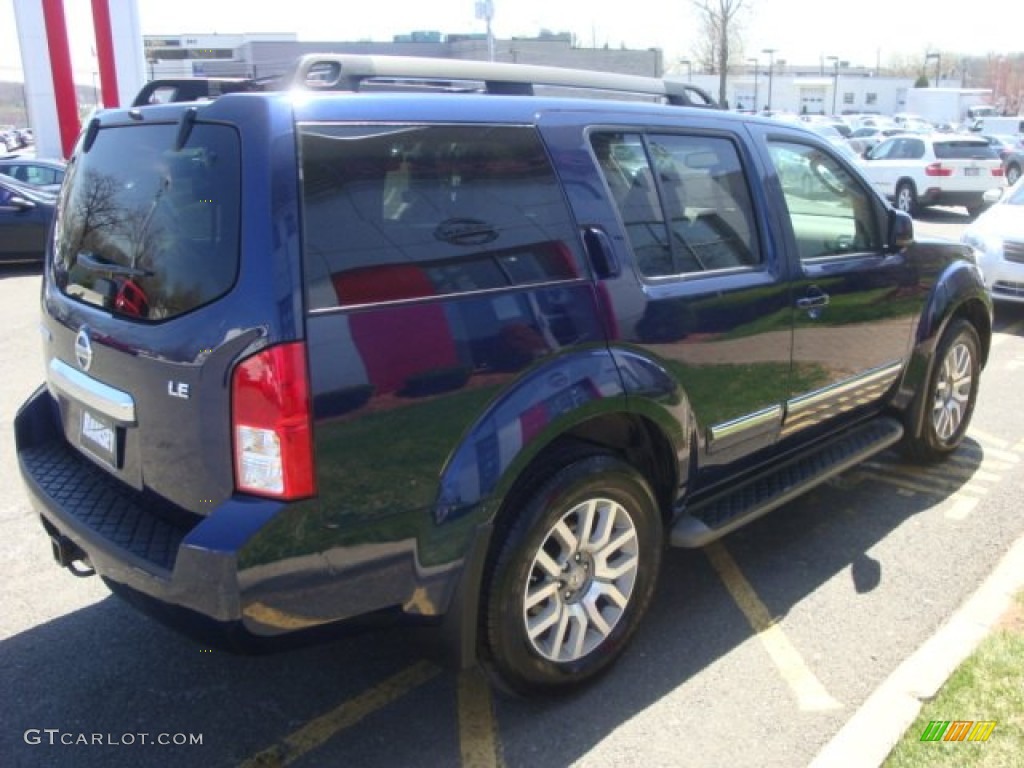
pixel 12 138
pixel 915 165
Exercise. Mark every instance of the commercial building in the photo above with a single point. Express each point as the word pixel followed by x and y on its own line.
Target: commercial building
pixel 828 87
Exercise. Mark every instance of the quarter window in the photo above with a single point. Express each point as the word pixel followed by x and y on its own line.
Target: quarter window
pixel 683 200
pixel 398 212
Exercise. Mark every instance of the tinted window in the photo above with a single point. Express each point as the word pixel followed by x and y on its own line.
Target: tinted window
pixel 147 231
pixel 964 150
pixel 831 212
pixel 683 200
pixel 404 212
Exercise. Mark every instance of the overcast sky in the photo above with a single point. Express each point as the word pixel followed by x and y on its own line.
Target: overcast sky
pixel 864 32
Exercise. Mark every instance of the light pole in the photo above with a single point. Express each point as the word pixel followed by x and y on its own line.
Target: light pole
pixel 756 63
pixel 689 69
pixel 771 67
pixel 938 65
pixel 835 81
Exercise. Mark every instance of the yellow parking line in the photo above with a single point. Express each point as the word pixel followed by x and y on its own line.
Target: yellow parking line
pixel 967 470
pixel 996 453
pixel 987 439
pixel 1007 333
pixel 933 484
pixel 961 509
pixel 907 485
pixel 316 732
pixel 810 693
pixel 969 461
pixel 478 734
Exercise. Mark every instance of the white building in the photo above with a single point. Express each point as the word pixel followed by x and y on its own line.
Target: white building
pixel 818 90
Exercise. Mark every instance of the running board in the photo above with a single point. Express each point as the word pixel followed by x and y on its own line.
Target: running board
pixel 714 517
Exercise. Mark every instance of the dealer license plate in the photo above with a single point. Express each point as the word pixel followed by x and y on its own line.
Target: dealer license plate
pixel 99 437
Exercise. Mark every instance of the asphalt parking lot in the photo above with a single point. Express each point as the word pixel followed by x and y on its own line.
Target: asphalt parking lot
pixel 756 651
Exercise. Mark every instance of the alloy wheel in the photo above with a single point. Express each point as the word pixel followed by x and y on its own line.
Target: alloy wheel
pixel 952 391
pixel 581 580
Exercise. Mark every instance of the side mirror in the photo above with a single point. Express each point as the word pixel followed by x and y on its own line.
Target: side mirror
pixel 21 203
pixel 901 230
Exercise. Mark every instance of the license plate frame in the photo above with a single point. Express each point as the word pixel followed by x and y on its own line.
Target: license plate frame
pixel 972 172
pixel 97 436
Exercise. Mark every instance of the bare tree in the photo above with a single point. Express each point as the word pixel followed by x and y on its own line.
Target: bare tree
pixel 718 21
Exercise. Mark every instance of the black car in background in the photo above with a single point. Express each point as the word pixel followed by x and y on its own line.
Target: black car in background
pixel 25 216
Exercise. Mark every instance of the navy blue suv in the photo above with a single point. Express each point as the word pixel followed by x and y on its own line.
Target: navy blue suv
pixel 469 358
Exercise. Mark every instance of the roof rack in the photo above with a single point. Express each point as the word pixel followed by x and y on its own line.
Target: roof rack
pixel 353 72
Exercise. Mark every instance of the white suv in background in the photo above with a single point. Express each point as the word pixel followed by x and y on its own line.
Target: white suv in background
pixel 939 169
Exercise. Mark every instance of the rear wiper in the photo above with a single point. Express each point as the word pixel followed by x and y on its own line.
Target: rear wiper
pixel 96 263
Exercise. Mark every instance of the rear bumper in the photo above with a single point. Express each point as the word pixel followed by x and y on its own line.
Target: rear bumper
pixel 238 578
pixel 131 538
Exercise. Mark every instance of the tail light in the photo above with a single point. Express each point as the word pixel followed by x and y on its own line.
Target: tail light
pixel 936 169
pixel 998 171
pixel 271 423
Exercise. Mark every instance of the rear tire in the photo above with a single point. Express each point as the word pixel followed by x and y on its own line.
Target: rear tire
pixel 906 198
pixel 950 395
pixel 1012 174
pixel 572 578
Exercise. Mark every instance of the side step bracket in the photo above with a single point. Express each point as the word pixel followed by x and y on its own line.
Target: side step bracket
pixel 714 517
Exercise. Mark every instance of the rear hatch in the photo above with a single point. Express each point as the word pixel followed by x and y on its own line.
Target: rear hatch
pixel 147 303
pixel 966 164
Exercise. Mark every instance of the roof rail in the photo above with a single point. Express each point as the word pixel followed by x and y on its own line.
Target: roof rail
pixel 350 72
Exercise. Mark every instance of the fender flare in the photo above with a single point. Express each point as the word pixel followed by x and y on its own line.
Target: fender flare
pixel 958 292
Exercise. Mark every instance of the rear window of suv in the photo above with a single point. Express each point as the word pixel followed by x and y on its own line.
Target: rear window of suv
pixel 965 150
pixel 147 231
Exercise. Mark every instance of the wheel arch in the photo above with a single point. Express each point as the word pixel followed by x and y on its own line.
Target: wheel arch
pixel 959 293
pixel 641 430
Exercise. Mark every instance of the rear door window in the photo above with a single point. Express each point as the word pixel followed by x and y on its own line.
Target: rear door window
pixel 683 200
pixel 400 212
pixel 964 150
pixel 147 231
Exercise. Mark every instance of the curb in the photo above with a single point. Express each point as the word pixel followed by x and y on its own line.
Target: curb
pixel 867 738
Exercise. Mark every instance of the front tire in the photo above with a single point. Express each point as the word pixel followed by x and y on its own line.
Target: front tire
pixel 572 578
pixel 950 395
